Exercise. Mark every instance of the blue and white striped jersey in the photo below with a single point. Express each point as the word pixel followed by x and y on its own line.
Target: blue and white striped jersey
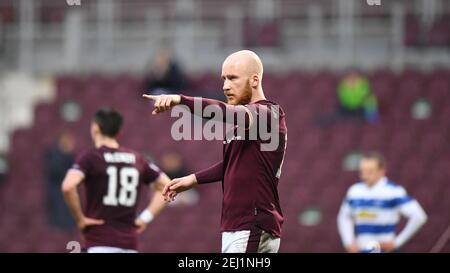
pixel 371 214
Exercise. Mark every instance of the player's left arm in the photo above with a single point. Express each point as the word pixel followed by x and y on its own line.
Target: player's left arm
pixel 208 175
pixel 416 219
pixel 156 204
pixel 69 189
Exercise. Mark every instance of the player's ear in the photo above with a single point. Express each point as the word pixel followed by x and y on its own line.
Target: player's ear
pixel 95 129
pixel 254 81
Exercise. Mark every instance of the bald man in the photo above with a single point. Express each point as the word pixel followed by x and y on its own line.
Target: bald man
pixel 251 213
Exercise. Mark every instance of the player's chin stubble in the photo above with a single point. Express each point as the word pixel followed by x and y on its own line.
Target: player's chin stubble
pixel 245 98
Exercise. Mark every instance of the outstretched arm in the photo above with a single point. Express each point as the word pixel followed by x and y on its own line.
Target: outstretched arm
pixel 236 114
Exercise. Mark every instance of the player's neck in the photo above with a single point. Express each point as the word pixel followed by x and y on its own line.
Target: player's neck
pixel 107 142
pixel 373 183
pixel 257 96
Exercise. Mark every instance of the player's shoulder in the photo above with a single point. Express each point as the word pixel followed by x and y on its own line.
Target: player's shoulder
pixel 390 188
pixel 394 187
pixel 356 188
pixel 268 105
pixel 392 184
pixel 88 152
pixel 85 158
pixel 140 158
pixel 125 149
pixel 138 155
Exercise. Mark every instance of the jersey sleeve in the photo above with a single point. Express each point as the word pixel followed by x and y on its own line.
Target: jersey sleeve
pixel 345 222
pixel 151 172
pixel 402 199
pixel 235 114
pixel 83 163
pixel 211 174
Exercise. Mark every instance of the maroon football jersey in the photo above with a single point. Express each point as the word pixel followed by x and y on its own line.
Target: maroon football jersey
pixel 113 179
pixel 252 161
pixel 251 167
pixel 251 175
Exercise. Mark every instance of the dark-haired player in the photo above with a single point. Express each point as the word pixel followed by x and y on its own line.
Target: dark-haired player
pixel 113 176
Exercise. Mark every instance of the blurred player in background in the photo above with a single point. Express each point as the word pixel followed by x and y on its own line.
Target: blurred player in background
pixel 251 213
pixel 166 75
pixel 369 215
pixel 58 159
pixel 113 176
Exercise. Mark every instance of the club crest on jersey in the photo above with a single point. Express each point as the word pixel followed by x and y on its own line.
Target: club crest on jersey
pixel 228 140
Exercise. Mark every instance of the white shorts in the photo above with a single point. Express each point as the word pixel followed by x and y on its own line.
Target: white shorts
pixel 109 249
pixel 249 241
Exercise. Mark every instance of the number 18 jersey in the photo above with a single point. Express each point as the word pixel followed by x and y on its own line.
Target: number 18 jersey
pixel 113 180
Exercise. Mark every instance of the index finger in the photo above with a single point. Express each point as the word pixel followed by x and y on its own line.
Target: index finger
pixel 166 188
pixel 150 97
